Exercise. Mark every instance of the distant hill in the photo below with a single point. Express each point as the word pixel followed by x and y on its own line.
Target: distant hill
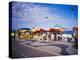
pixel 68 32
pixel 25 29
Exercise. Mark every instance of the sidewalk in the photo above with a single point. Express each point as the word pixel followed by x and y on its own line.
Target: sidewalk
pixel 71 50
pixel 51 47
pixel 55 47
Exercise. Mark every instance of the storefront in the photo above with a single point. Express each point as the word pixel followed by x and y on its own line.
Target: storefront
pixel 49 34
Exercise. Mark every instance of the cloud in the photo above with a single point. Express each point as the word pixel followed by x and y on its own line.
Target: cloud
pixel 30 14
pixel 29 11
pixel 33 14
pixel 38 14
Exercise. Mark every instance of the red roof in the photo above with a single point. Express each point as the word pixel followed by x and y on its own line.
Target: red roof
pixel 53 30
pixel 42 30
pixel 50 30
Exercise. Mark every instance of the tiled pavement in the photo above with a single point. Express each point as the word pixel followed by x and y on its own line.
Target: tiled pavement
pixel 55 47
pixel 41 49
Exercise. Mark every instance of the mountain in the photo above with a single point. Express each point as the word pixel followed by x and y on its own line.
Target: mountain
pixel 68 32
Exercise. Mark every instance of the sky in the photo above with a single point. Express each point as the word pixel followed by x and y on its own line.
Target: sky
pixel 43 15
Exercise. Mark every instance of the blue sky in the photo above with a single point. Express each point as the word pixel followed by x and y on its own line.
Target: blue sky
pixel 27 15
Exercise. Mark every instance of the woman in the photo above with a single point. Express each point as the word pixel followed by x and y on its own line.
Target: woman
pixel 75 36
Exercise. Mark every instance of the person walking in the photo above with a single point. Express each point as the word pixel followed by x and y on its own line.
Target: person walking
pixel 52 37
pixel 75 36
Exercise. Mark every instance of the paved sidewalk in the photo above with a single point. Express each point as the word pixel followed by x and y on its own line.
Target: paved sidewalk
pixel 71 50
pixel 52 47
pixel 55 47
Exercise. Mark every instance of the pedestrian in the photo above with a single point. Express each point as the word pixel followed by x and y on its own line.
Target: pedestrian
pixel 75 36
pixel 52 36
